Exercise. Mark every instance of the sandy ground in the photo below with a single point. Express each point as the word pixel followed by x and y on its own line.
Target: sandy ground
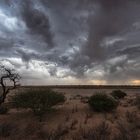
pixel 71 117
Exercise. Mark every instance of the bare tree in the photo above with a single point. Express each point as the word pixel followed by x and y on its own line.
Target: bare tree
pixel 9 80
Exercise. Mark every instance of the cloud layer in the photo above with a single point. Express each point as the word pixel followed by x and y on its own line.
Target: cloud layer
pixel 71 42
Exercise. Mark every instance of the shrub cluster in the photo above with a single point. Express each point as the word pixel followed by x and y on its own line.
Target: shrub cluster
pixel 101 102
pixel 118 94
pixel 39 101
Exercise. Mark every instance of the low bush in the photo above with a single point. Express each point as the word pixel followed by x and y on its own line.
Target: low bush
pixel 101 102
pixel 39 101
pixel 118 94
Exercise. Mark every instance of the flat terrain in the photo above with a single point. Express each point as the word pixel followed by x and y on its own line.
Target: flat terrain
pixel 74 118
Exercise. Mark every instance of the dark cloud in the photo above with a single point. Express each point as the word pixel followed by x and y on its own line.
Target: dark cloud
pixel 37 22
pixel 76 35
pixel 113 18
pixel 110 18
pixel 128 51
pixel 6 44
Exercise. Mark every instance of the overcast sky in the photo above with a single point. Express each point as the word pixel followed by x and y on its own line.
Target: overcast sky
pixel 71 41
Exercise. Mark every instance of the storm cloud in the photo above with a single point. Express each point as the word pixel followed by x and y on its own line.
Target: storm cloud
pixel 71 41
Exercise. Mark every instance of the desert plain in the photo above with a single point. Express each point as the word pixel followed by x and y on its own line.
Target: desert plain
pixel 74 119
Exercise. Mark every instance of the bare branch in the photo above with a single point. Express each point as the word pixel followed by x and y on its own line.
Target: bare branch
pixel 11 76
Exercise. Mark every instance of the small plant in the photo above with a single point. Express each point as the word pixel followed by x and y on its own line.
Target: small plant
pixel 131 116
pixel 67 118
pixel 3 110
pixel 31 128
pixel 84 99
pixel 74 109
pixel 126 131
pixel 88 116
pixel 38 101
pixel 100 132
pixel 118 94
pixel 103 131
pixel 73 124
pixel 101 102
pixel 58 133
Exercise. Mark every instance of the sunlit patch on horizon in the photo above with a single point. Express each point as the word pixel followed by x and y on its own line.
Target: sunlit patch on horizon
pixel 98 82
pixel 135 82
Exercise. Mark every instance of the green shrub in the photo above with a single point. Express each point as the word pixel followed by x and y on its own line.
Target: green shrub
pixel 101 102
pixel 118 94
pixel 3 110
pixel 39 101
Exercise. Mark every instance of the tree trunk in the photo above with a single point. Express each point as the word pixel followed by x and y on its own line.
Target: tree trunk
pixel 4 92
pixel 3 97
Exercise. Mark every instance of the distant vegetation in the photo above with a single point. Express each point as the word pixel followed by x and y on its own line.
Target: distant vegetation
pixel 39 101
pixel 87 86
pixel 118 94
pixel 101 102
